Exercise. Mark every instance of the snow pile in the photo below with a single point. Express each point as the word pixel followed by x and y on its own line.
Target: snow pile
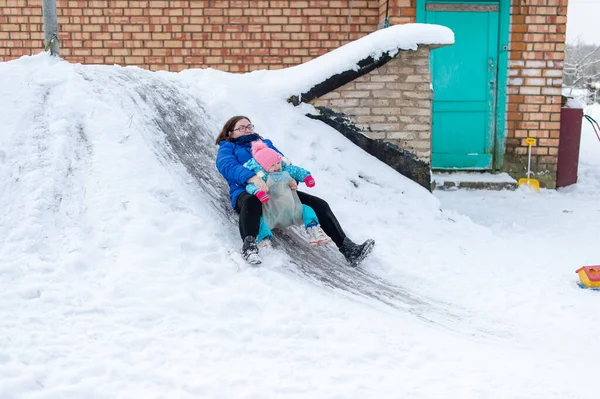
pixel 572 103
pixel 120 275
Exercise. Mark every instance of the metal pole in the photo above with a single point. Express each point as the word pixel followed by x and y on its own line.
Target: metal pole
pixel 529 162
pixel 50 27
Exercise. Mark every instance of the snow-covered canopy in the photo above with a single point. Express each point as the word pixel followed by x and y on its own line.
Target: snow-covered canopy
pixel 301 78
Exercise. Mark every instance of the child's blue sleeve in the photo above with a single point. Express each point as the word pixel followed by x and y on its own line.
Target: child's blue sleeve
pixel 251 189
pixel 260 172
pixel 298 173
pixel 254 166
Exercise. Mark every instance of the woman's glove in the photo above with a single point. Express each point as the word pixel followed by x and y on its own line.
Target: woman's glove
pixel 309 181
pixel 262 196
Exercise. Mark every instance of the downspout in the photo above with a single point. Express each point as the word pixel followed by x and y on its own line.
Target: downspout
pixel 386 22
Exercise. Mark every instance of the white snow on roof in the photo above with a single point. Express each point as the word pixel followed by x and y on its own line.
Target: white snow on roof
pixel 301 78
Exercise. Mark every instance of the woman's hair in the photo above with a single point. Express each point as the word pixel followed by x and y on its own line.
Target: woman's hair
pixel 228 128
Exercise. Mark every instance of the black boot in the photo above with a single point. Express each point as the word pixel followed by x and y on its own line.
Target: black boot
pixel 250 251
pixel 354 253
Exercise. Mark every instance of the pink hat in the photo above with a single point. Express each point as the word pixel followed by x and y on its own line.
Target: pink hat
pixel 265 156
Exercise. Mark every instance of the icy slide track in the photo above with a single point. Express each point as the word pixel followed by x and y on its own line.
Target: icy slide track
pixel 182 132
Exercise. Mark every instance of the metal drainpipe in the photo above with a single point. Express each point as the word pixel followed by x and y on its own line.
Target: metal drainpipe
pixel 386 22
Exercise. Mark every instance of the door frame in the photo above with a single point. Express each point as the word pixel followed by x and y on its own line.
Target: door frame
pixel 498 141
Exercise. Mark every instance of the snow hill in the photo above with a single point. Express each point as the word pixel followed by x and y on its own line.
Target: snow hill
pixel 121 277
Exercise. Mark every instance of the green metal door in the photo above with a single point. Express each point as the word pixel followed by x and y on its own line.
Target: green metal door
pixel 464 85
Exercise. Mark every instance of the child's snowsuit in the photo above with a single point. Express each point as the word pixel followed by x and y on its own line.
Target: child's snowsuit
pixel 288 217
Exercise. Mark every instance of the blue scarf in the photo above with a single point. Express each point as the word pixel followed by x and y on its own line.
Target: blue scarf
pixel 246 139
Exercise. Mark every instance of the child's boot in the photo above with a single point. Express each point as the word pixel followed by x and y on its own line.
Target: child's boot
pixel 265 244
pixel 316 235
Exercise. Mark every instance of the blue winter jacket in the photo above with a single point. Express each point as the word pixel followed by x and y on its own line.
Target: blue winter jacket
pixel 231 157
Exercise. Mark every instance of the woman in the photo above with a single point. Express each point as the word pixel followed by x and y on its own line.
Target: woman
pixel 235 149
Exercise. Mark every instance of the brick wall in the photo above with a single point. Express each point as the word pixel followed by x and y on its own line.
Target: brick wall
pixel 535 77
pixel 397 11
pixel 240 36
pixel 234 36
pixel 392 102
pixel 402 11
pixel 20 28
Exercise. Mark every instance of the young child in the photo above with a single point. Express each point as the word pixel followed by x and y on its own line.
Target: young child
pixel 285 208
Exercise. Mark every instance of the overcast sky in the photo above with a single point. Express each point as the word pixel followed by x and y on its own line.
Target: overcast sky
pixel 582 21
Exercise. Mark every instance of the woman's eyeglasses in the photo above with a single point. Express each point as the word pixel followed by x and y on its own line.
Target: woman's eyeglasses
pixel 243 128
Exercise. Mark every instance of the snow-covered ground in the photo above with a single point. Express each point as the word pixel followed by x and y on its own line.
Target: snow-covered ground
pixel 119 279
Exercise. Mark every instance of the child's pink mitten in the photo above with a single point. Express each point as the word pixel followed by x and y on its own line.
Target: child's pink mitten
pixel 262 196
pixel 309 181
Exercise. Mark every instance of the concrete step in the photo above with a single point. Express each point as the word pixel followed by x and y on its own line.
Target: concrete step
pixel 472 180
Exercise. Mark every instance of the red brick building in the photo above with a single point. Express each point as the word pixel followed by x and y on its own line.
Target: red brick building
pixel 245 35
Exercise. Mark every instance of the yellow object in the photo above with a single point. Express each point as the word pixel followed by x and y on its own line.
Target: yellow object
pixel 532 184
pixel 589 276
pixel 530 140
pixel 528 182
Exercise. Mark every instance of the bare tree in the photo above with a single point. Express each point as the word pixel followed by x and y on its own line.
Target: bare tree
pixel 50 27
